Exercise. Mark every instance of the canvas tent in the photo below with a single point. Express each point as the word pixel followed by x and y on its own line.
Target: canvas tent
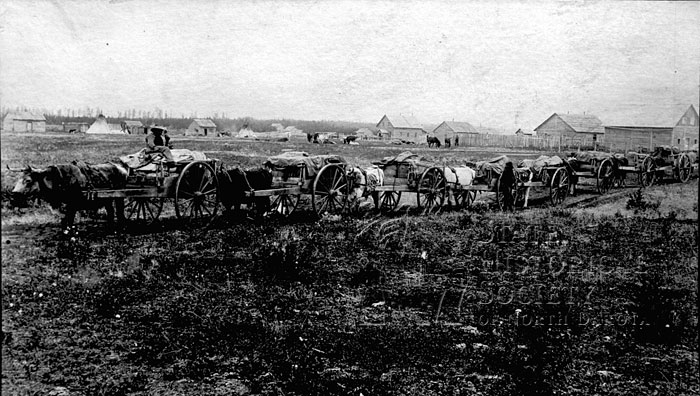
pixel 100 126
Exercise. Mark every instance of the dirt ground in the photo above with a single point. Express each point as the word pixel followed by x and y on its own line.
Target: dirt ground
pixel 598 296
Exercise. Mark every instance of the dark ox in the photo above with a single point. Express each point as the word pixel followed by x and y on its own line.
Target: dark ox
pixel 349 139
pixel 64 185
pixel 234 183
pixel 432 141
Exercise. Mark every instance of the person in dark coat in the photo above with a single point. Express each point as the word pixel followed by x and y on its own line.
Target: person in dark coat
pixel 159 142
pixel 507 182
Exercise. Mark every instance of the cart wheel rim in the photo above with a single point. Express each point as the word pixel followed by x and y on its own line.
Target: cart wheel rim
pixel 559 187
pixel 143 210
pixel 605 176
pixel 390 200
pixel 330 190
pixel 432 189
pixel 197 192
pixel 284 204
pixel 684 168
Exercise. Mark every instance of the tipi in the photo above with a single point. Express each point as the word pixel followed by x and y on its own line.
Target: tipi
pixel 101 126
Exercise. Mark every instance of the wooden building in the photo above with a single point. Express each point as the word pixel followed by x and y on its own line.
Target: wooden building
pixel 458 132
pixel 403 127
pixel 24 121
pixel 571 125
pixel 133 127
pixel 75 127
pixel 201 127
pixel 640 132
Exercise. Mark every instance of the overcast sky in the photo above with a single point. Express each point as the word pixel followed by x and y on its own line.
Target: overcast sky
pixel 502 64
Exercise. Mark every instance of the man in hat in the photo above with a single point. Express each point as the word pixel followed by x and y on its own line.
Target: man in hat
pixel 157 142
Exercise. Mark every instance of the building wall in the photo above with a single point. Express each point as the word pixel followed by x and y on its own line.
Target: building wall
pixel 444 131
pixel 12 125
pixel 412 134
pixel 555 127
pixel 685 133
pixel 195 130
pixel 619 138
pixel 385 124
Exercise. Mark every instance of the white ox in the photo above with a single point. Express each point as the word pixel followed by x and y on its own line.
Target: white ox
pixel 363 182
pixel 458 175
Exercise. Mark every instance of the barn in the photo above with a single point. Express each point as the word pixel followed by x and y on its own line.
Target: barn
pixel 454 130
pixel 571 125
pixel 24 121
pixel 643 132
pixel 201 127
pixel 403 127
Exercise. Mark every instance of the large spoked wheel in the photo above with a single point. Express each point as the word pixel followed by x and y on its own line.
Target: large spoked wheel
pixel 284 204
pixel 389 200
pixel 647 175
pixel 197 192
pixel 464 199
pixel 684 168
pixel 143 210
pixel 432 189
pixel 605 178
pixel 506 196
pixel 330 190
pixel 559 186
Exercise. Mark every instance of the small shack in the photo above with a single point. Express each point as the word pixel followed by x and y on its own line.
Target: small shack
pixel 133 127
pixel 24 121
pixel 201 127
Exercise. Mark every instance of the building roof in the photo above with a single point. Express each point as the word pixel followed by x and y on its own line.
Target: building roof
pixel 404 121
pixel 365 131
pixel 525 132
pixel 580 123
pixel 665 116
pixel 26 116
pixel 460 127
pixel 205 122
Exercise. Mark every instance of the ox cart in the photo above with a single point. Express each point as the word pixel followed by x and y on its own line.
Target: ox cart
pixel 320 182
pixel 189 180
pixel 664 162
pixel 512 185
pixel 410 173
pixel 597 165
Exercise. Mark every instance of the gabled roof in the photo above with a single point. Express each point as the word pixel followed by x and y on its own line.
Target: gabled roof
pixel 525 132
pixel 403 121
pixel 205 122
pixel 664 116
pixel 580 123
pixel 26 116
pixel 459 127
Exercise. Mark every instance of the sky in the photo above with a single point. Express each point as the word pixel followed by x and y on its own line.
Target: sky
pixel 500 64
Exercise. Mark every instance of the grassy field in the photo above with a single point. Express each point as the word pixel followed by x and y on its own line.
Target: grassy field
pixel 596 298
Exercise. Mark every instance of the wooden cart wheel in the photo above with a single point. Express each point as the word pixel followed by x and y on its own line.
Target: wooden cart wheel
pixel 559 186
pixel 464 199
pixel 684 168
pixel 507 197
pixel 647 175
pixel 432 189
pixel 143 210
pixel 389 200
pixel 197 192
pixel 284 204
pixel 330 190
pixel 605 176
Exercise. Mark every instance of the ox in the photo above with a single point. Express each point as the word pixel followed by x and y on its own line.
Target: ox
pixel 458 175
pixel 362 184
pixel 234 183
pixel 432 141
pixel 63 185
pixel 349 139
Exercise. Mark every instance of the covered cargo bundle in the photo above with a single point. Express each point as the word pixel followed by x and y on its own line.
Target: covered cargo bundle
pixel 293 159
pixel 144 163
pixel 537 166
pixel 591 160
pixel 665 155
pixel 486 171
pixel 403 168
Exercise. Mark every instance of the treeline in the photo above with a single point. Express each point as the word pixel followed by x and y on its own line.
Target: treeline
pixel 160 117
pixel 228 124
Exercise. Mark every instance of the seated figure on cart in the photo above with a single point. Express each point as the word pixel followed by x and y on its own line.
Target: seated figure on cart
pixel 158 142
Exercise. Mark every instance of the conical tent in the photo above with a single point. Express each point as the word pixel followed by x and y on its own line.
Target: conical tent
pixel 101 126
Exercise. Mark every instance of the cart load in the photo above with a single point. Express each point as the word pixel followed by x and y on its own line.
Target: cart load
pixel 488 171
pixel 538 167
pixel 403 168
pixel 145 162
pixel 322 177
